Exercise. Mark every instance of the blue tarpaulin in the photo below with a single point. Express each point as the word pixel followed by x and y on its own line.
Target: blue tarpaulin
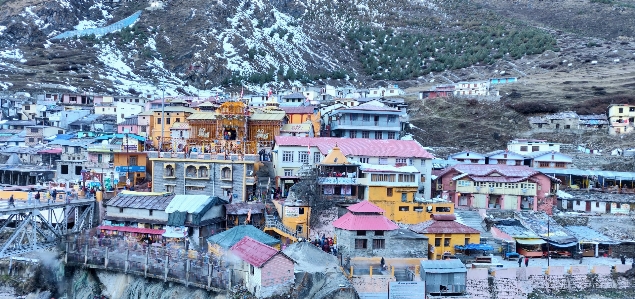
pixel 471 246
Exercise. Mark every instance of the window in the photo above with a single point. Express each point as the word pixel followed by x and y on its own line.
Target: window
pixel 543 164
pixel 132 161
pixel 100 158
pixel 352 134
pixel 401 161
pixel 446 242
pixel 467 241
pixel 379 233
pixel 535 148
pixel 437 242
pixel 169 188
pixel 78 170
pixel 382 178
pixel 406 178
pixel 251 269
pixel 378 135
pixel 64 169
pixel 379 244
pixel 463 183
pixel 391 118
pixel 178 120
pixel 353 117
pixel 288 172
pixel 149 212
pixel 366 117
pixel 27 107
pixel 31 140
pixel 501 161
pixel 287 156
pixel 404 208
pixel 120 210
pixel 560 164
pixel 300 211
pixel 391 135
pixel 364 160
pixel 383 161
pixel 33 130
pixel 519 163
pixel 317 157
pixel 597 204
pixel 168 120
pixel 158 120
pixel 360 244
pixel 389 192
pixel 365 134
pixel 304 157
pixel 360 232
pixel 620 110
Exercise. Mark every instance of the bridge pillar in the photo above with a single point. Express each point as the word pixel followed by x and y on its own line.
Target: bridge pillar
pixel 187 272
pixel 165 268
pixel 145 266
pixel 106 259
pixel 209 274
pixel 86 253
pixel 127 263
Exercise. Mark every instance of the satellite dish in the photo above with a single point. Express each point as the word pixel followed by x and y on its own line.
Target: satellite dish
pixel 429 208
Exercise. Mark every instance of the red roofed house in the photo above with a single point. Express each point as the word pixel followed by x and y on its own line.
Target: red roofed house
pixel 290 153
pixel 498 186
pixel 365 232
pixel 264 270
pixel 444 233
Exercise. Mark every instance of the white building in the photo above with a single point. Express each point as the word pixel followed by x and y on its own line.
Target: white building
pixel 63 118
pixel 525 146
pixel 125 110
pixel 290 153
pixel 480 88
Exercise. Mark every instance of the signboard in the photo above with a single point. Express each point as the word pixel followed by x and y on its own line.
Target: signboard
pixel 407 290
pixel 291 211
pixel 91 176
pixel 337 181
pixel 130 169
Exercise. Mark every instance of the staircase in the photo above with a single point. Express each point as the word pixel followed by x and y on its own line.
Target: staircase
pixel 402 274
pixel 273 223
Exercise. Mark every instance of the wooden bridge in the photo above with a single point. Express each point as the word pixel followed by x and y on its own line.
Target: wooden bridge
pixel 190 268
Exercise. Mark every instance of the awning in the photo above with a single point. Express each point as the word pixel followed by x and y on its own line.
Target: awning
pixel 564 245
pixel 129 229
pixel 531 241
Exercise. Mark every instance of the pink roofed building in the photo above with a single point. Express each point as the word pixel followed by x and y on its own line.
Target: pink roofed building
pixel 290 153
pixel 365 232
pixel 497 186
pixel 264 270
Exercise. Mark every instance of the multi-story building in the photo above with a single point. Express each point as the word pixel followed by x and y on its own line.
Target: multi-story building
pixel 497 186
pixel 37 134
pixel 77 99
pixel 526 146
pixel 125 110
pixel 371 120
pixel 467 157
pixel 173 114
pixel 380 92
pixel 120 156
pixel 290 153
pixel 64 117
pixel 480 88
pixel 444 233
pixel 73 157
pixel 301 115
pixel 621 118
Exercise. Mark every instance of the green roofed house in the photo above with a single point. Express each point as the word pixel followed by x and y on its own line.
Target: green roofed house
pixel 202 215
pixel 220 243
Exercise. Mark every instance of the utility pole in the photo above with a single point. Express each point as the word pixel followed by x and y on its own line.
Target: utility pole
pixel 162 117
pixel 548 236
pixel 128 162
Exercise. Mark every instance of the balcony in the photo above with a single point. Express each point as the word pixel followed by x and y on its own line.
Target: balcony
pixel 104 147
pixel 370 125
pixel 497 190
pixel 337 181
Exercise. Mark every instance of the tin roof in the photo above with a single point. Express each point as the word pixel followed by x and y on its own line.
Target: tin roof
pixel 202 116
pixel 359 146
pixel 351 221
pixel 228 238
pixel 153 202
pixel 443 266
pixel 588 235
pixel 254 252
pixel 442 226
pixel 365 207
pixel 130 121
pixel 192 204
pixel 242 208
pixel 298 110
pixel 485 170
pixel 267 116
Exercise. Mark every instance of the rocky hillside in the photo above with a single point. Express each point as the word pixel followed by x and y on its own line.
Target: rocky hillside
pixel 195 45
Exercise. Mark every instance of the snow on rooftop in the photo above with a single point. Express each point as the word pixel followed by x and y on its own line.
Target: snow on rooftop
pixel 2 28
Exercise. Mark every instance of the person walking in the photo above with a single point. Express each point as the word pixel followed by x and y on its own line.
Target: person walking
pixel 54 195
pixel 520 261
pixel 526 261
pixel 37 197
pixel 623 259
pixel 11 201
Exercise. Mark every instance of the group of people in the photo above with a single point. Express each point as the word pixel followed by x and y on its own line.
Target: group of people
pixel 327 244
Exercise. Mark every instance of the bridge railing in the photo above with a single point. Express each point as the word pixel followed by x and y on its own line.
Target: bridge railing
pixel 169 264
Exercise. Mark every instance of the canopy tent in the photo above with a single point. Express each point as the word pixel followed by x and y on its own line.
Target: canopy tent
pixel 563 245
pixel 472 246
pixel 531 241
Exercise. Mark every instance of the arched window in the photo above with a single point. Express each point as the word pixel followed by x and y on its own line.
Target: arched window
pixel 226 173
pixel 190 172
pixel 169 170
pixel 203 172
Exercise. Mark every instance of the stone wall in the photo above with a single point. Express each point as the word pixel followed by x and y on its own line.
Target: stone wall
pixel 396 244
pixel 571 221
pixel 518 283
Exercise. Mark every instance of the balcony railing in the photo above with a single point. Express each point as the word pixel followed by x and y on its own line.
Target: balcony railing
pixel 497 190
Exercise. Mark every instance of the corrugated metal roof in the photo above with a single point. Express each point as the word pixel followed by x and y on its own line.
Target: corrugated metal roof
pixel 517 231
pixel 351 221
pixel 192 204
pixel 296 128
pixel 267 116
pixel 129 229
pixel 365 207
pixel 442 227
pixel 545 227
pixel 443 266
pixel 588 235
pixel 202 116
pixel 228 238
pixel 587 172
pixel 253 252
pixel 299 110
pixel 243 208
pixel 359 146
pixel 153 202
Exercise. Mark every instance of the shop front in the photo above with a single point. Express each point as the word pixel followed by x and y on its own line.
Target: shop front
pixel 530 247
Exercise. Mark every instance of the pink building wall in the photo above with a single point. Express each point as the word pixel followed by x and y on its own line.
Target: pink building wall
pixel 133 129
pixel 277 271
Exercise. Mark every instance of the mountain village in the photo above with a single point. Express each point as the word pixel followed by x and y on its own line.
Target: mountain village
pixel 325 180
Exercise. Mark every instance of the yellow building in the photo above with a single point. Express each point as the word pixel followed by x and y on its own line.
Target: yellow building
pixel 173 114
pixel 621 119
pixel 131 159
pixel 396 189
pixel 444 233
pixel 302 114
pixel 295 216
